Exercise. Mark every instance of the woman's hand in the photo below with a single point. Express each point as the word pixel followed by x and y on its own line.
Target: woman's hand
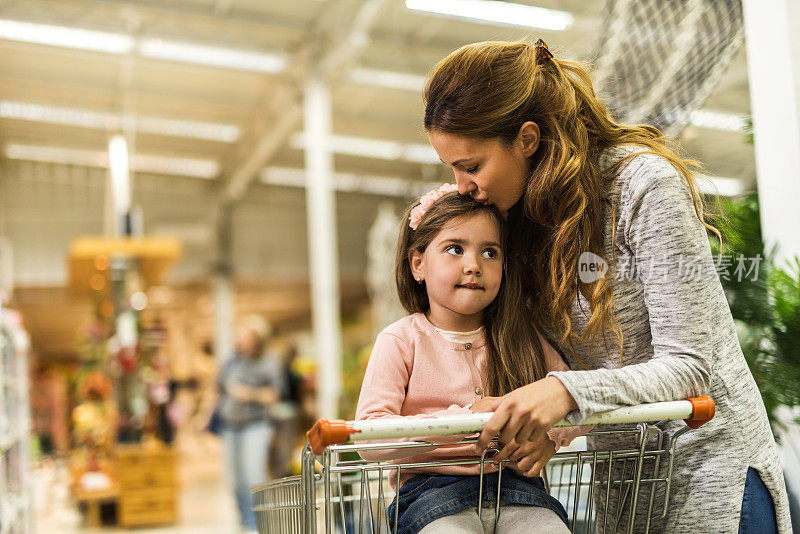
pixel 525 414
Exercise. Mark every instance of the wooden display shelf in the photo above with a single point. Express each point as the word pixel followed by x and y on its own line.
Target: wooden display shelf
pixel 89 256
pixel 148 485
pixel 93 499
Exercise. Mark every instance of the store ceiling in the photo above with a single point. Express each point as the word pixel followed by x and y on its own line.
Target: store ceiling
pixel 203 120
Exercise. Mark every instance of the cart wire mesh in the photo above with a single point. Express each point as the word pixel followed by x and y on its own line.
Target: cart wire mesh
pixel 603 491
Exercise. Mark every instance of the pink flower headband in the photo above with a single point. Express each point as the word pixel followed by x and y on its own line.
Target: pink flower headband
pixel 426 201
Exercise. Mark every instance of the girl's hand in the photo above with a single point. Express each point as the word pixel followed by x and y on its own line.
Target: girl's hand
pixel 484 403
pixel 532 456
pixel 525 414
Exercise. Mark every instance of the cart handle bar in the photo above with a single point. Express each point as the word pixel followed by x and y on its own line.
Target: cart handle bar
pixel 695 412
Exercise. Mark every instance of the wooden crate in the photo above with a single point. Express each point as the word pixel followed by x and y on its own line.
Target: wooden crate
pixel 148 485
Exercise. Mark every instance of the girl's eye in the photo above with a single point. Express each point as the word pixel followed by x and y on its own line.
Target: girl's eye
pixel 490 253
pixel 455 250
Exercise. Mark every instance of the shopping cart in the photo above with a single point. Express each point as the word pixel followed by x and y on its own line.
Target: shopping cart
pixel 612 490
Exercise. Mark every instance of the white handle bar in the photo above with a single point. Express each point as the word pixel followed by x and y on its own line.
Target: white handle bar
pixel 695 412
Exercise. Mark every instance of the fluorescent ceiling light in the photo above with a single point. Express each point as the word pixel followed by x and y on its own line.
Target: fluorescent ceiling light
pixel 402 187
pixel 71 156
pixel 724 186
pixel 420 153
pixel 120 43
pixel 212 131
pixel 374 148
pixel 211 55
pixel 200 168
pixel 346 182
pixel 57 115
pixel 120 171
pixel 196 168
pixel 389 79
pixel 112 43
pixel 703 118
pixel 496 12
pixel 85 118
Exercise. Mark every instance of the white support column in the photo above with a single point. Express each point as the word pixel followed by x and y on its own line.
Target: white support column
pixel 773 62
pixel 119 184
pixel 322 245
pixel 223 286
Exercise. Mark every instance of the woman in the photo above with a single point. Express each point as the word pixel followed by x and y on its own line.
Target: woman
pixel 249 382
pixel 607 219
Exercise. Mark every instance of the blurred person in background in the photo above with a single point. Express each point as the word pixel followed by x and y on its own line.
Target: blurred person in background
pixel 206 371
pixel 286 416
pixel 249 383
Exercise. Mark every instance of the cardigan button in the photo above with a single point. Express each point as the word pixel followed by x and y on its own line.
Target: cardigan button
pixel 478 391
pixel 468 346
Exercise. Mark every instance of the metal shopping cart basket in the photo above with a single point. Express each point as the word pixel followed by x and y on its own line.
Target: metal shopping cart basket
pixel 603 490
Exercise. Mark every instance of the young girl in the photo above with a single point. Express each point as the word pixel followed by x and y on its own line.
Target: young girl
pixel 466 338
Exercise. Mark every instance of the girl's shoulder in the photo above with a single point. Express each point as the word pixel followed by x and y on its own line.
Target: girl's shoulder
pixel 413 329
pixel 405 328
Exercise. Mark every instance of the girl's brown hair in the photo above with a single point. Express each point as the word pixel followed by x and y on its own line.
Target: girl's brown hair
pixel 488 91
pixel 514 355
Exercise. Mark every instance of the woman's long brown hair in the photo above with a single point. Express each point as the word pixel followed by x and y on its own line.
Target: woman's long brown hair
pixel 514 355
pixel 488 91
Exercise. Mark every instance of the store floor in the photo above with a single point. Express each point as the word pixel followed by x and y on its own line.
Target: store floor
pixel 207 505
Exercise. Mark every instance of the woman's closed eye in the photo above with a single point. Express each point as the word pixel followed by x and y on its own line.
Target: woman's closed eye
pixel 472 170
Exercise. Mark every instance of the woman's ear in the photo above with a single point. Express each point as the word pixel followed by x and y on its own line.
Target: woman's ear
pixel 417 263
pixel 528 137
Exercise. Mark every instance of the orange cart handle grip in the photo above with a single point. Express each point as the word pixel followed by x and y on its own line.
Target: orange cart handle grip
pixel 703 410
pixel 327 432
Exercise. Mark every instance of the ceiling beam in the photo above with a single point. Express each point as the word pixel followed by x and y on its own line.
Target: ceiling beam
pixel 190 12
pixel 286 113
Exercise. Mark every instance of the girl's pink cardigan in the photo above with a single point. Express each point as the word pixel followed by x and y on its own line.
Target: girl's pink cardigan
pixel 414 371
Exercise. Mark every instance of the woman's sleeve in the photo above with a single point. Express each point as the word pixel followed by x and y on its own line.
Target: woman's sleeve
pixel 383 393
pixel 684 309
pixel 554 362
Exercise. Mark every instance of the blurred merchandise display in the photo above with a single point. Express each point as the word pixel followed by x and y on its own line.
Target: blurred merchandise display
pixel 122 389
pixel 15 487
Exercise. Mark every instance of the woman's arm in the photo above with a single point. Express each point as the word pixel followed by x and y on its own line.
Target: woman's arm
pixel 561 437
pixel 663 233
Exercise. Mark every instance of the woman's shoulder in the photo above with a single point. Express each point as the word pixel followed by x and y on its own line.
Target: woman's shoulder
pixel 635 170
pixel 632 160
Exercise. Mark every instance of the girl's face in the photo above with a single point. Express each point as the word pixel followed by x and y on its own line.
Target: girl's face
pixel 462 268
pixel 486 169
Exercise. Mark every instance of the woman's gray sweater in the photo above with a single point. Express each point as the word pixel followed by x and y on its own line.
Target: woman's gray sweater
pixel 679 342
